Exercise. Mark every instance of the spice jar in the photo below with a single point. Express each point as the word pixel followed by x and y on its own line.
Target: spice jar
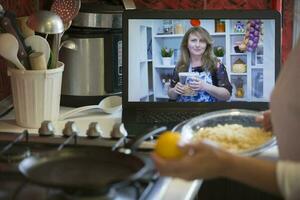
pixel 219 26
pixel 168 26
pixel 239 88
pixel 179 29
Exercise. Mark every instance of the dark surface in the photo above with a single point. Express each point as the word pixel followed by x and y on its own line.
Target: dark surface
pixel 138 129
pixel 78 101
pixel 231 190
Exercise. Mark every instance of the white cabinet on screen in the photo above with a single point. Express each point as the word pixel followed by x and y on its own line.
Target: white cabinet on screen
pixel 140 82
pixel 255 80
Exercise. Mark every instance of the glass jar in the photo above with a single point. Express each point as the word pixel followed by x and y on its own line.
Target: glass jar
pixel 179 29
pixel 168 26
pixel 259 85
pixel 219 25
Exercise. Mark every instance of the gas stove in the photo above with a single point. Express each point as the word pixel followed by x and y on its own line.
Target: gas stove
pixel 14 147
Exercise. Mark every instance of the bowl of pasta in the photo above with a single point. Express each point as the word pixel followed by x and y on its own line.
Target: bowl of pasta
pixel 234 130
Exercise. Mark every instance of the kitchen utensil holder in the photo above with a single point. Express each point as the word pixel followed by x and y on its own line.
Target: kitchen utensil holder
pixel 36 95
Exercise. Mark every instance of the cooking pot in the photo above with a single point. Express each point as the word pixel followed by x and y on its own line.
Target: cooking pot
pixel 87 169
pixel 93 70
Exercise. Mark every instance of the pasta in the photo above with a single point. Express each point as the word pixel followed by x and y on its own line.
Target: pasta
pixel 234 137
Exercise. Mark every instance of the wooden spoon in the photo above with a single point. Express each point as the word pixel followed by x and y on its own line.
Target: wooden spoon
pixel 9 49
pixel 39 44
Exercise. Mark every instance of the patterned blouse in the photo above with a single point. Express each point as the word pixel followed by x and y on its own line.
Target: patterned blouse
pixel 218 78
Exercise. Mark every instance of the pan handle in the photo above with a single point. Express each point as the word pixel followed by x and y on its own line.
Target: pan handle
pixel 135 143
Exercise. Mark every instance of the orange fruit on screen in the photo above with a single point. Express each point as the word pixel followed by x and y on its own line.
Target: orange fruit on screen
pixel 167 145
pixel 195 22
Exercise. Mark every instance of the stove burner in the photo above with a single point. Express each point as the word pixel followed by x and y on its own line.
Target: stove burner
pixel 15 154
pixel 12 153
pixel 36 192
pixel 109 195
pixel 13 185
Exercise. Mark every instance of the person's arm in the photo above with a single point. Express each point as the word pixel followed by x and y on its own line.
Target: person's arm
pixel 288 176
pixel 207 162
pixel 220 93
pixel 254 172
pixel 221 87
pixel 222 81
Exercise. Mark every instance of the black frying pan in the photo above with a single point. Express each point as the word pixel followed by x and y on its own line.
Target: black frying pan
pixel 85 169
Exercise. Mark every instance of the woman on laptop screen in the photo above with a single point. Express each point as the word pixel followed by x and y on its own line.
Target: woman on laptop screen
pixel 199 76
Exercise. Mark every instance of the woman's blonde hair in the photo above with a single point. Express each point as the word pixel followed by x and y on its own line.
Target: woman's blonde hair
pixel 208 58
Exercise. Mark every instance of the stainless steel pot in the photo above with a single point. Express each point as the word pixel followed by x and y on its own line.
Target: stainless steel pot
pixel 93 70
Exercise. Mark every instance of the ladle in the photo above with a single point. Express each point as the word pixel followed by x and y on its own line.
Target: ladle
pixel 9 49
pixel 69 44
pixel 49 23
pixel 109 105
pixel 46 22
pixel 67 10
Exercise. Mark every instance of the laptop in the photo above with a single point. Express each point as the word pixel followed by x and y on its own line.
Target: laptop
pixel 251 69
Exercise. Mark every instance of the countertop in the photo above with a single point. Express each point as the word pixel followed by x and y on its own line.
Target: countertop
pixel 173 188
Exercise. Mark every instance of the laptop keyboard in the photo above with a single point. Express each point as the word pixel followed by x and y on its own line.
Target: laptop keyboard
pixel 165 117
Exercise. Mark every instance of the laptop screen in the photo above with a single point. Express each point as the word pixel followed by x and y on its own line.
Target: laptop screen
pixel 224 59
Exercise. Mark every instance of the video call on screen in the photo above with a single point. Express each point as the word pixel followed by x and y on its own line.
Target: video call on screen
pixel 251 72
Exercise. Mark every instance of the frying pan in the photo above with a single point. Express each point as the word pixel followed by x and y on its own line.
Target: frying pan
pixel 87 169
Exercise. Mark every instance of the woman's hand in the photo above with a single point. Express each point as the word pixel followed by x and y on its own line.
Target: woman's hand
pixel 202 160
pixel 197 85
pixel 220 93
pixel 179 88
pixel 265 120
